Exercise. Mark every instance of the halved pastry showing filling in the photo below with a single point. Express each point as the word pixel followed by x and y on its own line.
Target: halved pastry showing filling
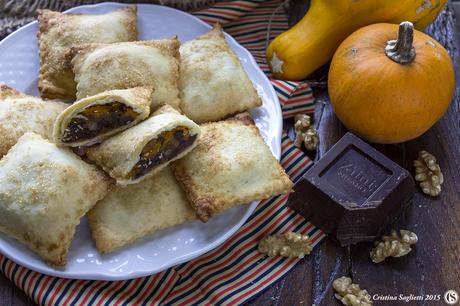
pixel 164 147
pixel 93 119
pixel 146 148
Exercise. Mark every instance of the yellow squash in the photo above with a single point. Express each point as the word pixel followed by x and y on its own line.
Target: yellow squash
pixel 312 42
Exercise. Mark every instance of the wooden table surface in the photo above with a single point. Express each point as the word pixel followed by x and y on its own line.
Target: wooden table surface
pixel 432 268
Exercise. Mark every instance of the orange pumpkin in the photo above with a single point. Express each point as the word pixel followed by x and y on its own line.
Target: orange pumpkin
pixel 390 90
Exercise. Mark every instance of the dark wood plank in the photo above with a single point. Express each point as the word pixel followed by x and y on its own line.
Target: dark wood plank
pixel 434 266
pixel 10 295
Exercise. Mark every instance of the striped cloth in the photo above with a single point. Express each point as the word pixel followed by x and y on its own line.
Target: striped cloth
pixel 235 271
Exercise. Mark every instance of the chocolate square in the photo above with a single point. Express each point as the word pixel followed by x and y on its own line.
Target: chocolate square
pixel 352 191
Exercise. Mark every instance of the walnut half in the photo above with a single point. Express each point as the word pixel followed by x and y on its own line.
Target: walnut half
pixel 350 294
pixel 305 133
pixel 311 139
pixel 287 245
pixel 302 122
pixel 393 245
pixel 428 173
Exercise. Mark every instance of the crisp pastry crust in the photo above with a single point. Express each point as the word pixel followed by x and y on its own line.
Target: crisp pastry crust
pixel 155 63
pixel 21 113
pixel 231 165
pixel 129 213
pixel 213 83
pixel 58 32
pixel 44 191
pixel 135 101
pixel 119 154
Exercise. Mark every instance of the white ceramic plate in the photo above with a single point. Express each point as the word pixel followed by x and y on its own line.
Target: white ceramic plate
pixel 19 64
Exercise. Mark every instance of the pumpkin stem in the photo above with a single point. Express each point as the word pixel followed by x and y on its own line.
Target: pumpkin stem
pixel 401 50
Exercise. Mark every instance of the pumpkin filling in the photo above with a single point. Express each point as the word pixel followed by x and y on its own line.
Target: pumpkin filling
pixel 161 149
pixel 96 120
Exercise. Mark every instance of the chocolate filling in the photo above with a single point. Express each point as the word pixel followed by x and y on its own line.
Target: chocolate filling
pixel 161 149
pixel 96 120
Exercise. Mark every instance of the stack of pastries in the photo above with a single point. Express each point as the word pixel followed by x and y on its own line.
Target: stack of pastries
pixel 136 135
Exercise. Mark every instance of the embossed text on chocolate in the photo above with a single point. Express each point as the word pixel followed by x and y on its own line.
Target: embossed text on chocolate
pixel 357 177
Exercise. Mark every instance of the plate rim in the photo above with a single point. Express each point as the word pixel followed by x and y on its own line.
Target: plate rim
pixel 99 275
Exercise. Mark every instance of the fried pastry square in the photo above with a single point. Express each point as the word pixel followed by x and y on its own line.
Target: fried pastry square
pixel 129 213
pixel 58 32
pixel 96 118
pixel 20 113
pixel 213 83
pixel 44 191
pixel 151 63
pixel 146 148
pixel 231 165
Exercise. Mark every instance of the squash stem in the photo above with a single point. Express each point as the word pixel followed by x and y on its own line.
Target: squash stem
pixel 401 50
